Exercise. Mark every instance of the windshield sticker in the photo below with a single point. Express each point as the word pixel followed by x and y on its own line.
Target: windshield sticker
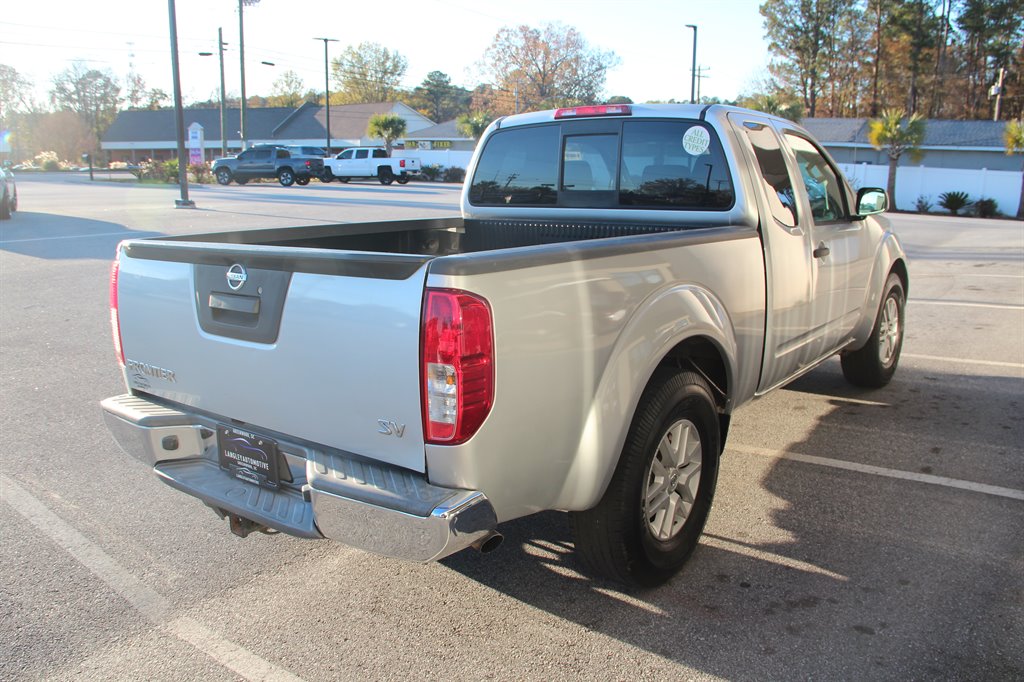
pixel 696 141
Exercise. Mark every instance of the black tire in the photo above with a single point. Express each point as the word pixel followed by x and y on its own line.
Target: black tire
pixel 286 177
pixel 241 181
pixel 619 538
pixel 302 181
pixel 223 176
pixel 344 180
pixel 385 175
pixel 873 365
pixel 5 208
pixel 403 179
pixel 327 175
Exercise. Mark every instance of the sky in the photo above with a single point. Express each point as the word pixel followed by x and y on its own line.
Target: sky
pixel 650 37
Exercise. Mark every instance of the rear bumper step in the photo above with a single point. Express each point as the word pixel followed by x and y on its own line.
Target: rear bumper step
pixel 371 506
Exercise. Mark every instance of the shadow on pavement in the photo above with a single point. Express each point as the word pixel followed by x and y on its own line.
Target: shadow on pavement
pixel 50 236
pixel 808 571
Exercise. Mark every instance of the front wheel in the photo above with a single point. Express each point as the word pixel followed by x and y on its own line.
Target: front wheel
pixel 241 181
pixel 651 516
pixel 302 181
pixel 5 208
pixel 385 176
pixel 286 177
pixel 223 176
pixel 873 365
pixel 327 175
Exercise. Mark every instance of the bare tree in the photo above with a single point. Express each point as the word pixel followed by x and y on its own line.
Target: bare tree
pixel 546 67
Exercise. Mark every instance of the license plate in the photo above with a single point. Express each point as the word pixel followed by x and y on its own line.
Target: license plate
pixel 249 456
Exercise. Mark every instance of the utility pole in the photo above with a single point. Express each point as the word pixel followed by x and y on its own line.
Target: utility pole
pixel 179 115
pixel 693 67
pixel 241 61
pixel 701 70
pixel 223 94
pixel 327 91
pixel 997 90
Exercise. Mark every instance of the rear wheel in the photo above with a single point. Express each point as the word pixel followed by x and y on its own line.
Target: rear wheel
pixel 873 365
pixel 223 176
pixel 302 181
pixel 385 175
pixel 241 181
pixel 403 179
pixel 286 177
pixel 5 207
pixel 651 516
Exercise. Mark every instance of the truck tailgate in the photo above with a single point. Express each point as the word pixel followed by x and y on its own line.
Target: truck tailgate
pixel 320 345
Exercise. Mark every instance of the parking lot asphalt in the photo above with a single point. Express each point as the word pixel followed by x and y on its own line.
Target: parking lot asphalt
pixel 855 534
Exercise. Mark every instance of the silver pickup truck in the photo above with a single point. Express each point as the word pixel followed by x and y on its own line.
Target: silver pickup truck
pixel 622 279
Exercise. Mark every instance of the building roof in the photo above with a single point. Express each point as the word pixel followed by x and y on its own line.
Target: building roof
pixel 449 130
pixel 348 122
pixel 937 132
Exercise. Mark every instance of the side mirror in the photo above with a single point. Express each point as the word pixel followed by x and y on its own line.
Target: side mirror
pixel 871 200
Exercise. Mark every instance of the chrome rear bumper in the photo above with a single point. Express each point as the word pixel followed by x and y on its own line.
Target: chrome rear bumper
pixel 370 506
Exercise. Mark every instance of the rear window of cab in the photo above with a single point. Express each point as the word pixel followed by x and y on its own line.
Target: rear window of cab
pixel 659 164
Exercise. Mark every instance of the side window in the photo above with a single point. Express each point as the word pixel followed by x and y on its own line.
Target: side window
pixel 347 154
pixel 518 166
pixel 589 163
pixel 380 154
pixel 262 155
pixel 246 156
pixel 283 154
pixel 777 184
pixel 362 153
pixel 824 188
pixel 673 164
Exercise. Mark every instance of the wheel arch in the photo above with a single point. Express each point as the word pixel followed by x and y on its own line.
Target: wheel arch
pixel 685 327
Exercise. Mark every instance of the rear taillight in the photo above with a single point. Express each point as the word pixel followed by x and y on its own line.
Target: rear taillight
pixel 457 365
pixel 115 322
pixel 401 163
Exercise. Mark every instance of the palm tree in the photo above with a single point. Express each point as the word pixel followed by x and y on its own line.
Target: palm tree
pixel 388 127
pixel 1013 137
pixel 897 135
pixel 474 124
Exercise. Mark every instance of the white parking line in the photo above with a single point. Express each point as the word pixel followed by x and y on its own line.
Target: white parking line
pixel 998 491
pixel 144 599
pixel 963 361
pixel 966 304
pixel 69 236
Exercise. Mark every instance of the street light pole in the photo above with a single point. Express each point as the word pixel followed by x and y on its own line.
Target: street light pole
pixel 327 90
pixel 179 115
pixel 693 69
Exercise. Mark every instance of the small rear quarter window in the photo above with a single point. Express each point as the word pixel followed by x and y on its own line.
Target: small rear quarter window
pixel 518 167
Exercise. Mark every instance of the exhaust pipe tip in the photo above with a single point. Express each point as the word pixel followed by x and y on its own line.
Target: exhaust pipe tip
pixel 489 542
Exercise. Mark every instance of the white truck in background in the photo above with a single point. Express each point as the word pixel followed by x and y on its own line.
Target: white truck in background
pixel 369 162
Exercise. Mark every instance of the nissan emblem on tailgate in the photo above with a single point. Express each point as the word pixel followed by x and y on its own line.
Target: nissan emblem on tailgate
pixel 236 276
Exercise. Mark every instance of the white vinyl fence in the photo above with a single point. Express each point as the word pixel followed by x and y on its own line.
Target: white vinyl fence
pixel 918 181
pixel 441 157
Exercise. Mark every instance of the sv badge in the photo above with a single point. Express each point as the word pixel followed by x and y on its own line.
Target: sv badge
pixel 390 428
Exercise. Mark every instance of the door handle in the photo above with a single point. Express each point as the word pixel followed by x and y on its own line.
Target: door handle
pixel 821 251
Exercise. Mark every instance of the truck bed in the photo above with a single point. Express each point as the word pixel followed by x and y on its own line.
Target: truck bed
pixel 430 237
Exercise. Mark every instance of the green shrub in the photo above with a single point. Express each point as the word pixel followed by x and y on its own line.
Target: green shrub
pixel 986 208
pixel 430 172
pixel 923 204
pixel 200 171
pixel 954 201
pixel 454 174
pixel 169 170
pixel 48 161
